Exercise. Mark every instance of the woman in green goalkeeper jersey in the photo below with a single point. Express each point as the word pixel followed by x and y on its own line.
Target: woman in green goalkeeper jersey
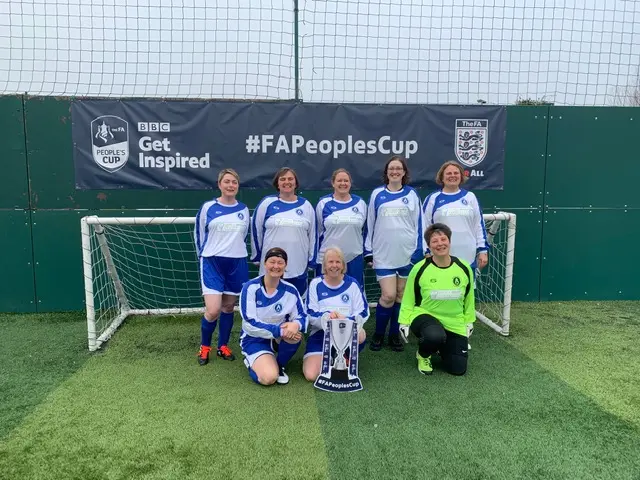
pixel 438 303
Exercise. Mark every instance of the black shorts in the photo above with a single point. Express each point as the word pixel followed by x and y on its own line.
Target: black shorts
pixel 434 338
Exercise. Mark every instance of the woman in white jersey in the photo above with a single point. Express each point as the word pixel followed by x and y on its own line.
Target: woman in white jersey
pixel 221 229
pixel 288 221
pixel 342 218
pixel 393 244
pixel 273 321
pixel 460 210
pixel 332 296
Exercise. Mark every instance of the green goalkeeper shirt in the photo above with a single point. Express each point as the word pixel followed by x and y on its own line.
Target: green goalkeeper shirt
pixel 444 293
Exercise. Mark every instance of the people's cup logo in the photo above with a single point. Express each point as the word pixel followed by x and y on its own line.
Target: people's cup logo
pixel 471 141
pixel 110 142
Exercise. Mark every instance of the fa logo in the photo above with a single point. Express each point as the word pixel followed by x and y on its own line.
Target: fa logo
pixel 456 281
pixel 110 142
pixel 278 308
pixel 405 200
pixel 240 216
pixel 471 141
pixel 299 211
pixel 345 298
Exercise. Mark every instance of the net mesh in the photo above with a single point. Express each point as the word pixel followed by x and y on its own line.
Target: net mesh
pixel 575 52
pixel 156 269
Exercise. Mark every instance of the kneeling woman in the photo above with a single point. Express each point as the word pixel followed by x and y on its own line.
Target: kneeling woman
pixel 438 303
pixel 273 321
pixel 332 296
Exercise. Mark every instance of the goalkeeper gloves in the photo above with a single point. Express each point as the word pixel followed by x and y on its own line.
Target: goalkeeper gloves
pixel 404 333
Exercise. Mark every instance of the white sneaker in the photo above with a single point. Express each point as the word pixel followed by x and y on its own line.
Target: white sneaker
pixel 283 378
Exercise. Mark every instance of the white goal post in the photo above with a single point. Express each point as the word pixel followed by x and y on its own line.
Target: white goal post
pixel 149 266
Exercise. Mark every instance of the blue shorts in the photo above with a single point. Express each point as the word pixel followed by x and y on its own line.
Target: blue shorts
pixel 355 269
pixel 314 344
pixel 220 275
pixel 402 272
pixel 254 347
pixel 301 283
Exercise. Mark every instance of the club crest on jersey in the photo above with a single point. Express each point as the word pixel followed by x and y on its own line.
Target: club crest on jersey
pixel 464 201
pixel 456 281
pixel 299 211
pixel 110 142
pixel 345 297
pixel 355 209
pixel 278 307
pixel 405 200
pixel 240 215
pixel 471 141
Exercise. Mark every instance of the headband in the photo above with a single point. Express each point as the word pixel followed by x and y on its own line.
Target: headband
pixel 276 253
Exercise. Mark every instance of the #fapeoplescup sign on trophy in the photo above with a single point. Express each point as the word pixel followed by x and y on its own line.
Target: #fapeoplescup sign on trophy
pixel 339 372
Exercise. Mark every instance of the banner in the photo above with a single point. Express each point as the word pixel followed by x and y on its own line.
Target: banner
pixel 182 145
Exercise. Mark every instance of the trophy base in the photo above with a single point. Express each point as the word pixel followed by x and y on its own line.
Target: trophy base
pixel 338 381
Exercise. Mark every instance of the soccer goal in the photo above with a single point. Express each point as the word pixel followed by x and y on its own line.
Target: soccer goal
pixel 149 266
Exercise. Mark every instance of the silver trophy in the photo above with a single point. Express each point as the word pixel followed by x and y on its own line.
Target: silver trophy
pixel 341 336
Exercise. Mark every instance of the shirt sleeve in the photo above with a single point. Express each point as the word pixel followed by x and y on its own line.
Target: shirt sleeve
pixel 365 226
pixel 427 215
pixel 470 299
pixel 200 234
pixel 313 236
pixel 314 315
pixel 249 313
pixel 298 314
pixel 408 297
pixel 257 230
pixel 371 220
pixel 360 305
pixel 418 254
pixel 482 245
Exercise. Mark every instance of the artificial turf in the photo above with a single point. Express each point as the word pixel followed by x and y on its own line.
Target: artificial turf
pixel 531 406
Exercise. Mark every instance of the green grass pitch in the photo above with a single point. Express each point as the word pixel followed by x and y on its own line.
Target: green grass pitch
pixel 559 399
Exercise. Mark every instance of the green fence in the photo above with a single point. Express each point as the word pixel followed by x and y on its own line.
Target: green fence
pixel 567 178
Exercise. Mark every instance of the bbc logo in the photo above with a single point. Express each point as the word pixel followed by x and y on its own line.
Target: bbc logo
pixel 154 127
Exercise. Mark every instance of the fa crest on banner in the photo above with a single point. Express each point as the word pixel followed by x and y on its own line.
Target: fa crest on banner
pixel 339 371
pixel 471 141
pixel 110 142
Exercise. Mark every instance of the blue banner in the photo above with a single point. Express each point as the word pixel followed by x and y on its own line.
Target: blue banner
pixel 182 145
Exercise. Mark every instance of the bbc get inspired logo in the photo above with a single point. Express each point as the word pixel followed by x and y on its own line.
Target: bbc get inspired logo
pixel 110 142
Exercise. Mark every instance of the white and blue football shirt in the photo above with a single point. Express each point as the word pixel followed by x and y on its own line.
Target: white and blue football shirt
pixel 221 230
pixel 461 212
pixel 394 228
pixel 262 314
pixel 287 225
pixel 341 224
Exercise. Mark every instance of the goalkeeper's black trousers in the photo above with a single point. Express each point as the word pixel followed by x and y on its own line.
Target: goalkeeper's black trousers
pixel 433 338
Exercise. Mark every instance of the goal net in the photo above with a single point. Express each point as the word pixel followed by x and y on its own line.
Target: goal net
pixel 148 266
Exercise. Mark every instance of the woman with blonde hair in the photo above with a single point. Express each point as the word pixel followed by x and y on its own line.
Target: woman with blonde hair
pixel 221 229
pixel 333 295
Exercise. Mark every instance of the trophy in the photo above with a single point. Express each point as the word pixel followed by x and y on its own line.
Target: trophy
pixel 341 374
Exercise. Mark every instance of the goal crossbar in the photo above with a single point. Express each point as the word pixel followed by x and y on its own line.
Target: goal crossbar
pixel 108 297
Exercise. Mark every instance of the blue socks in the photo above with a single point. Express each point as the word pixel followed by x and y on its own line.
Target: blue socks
pixel 253 375
pixel 286 351
pixel 206 330
pixel 383 314
pixel 394 328
pixel 226 324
